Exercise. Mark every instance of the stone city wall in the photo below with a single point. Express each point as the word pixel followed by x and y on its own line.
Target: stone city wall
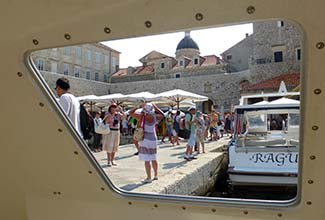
pixel 222 89
pixel 79 86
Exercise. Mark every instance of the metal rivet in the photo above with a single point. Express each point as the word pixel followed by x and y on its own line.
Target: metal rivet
pixel 90 172
pixel 246 212
pixel 59 193
pixel 315 128
pixel 312 157
pixel 67 36
pixel 183 207
pixel 35 42
pixel 41 104
pixel 130 203
pixel 279 215
pixel 76 152
pixel 148 24
pixel 107 30
pixel 156 206
pixel 317 91
pixel 60 130
pixel 54 193
pixel 320 45
pixel 213 210
pixel 199 17
pixel 102 188
pixel 250 9
pixel 310 181
pixel 309 203
pixel 19 74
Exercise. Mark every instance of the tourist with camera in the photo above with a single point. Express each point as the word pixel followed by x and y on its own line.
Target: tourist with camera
pixel 111 141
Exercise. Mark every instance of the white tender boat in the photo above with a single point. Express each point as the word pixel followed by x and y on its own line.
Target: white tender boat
pixel 265 145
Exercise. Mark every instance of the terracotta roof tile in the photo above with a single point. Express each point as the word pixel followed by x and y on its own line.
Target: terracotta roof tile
pixel 291 80
pixel 121 72
pixel 210 60
pixel 144 69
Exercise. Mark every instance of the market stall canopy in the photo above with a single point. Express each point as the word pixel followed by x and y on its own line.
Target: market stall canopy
pixel 142 97
pixel 178 96
pixel 115 97
pixel 90 98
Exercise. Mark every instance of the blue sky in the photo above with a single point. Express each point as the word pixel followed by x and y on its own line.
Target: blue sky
pixel 210 41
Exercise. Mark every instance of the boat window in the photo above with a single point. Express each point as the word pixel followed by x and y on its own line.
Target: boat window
pixel 213 149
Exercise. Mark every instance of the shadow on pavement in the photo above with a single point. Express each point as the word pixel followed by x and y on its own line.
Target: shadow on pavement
pixel 131 186
pixel 173 165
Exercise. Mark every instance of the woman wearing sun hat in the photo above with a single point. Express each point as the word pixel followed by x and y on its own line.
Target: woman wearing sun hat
pixel 150 114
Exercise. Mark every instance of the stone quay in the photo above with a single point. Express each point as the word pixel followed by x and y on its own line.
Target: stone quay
pixel 175 174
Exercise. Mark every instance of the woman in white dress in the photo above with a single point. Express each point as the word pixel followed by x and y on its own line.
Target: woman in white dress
pixel 148 117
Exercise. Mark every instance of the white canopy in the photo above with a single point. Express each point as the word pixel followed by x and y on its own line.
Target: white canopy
pixel 141 97
pixel 87 98
pixel 285 101
pixel 178 96
pixel 261 103
pixel 110 98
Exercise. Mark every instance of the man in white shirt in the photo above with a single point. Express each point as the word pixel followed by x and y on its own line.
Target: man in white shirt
pixel 68 102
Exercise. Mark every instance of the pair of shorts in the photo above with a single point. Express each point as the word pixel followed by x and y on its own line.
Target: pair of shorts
pixel 111 141
pixel 192 140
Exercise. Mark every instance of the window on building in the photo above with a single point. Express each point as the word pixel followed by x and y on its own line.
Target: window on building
pixel 114 65
pixel 105 77
pixel 106 60
pixel 298 54
pixel 228 57
pixel 54 67
pixel 278 56
pixel 66 69
pixel 97 57
pixel 78 52
pixel 96 76
pixel 280 23
pixel 67 51
pixel 40 64
pixel 260 61
pixel 77 71
pixel 196 61
pixel 88 55
pixel 177 75
pixel 162 65
pixel 181 63
pixel 88 74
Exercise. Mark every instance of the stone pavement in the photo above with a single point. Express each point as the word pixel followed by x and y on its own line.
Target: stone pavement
pixel 176 175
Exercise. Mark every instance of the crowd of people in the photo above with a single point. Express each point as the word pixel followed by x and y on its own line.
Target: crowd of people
pixel 194 127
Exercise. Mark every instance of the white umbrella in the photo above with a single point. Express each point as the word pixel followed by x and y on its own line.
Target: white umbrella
pixel 115 97
pixel 87 98
pixel 178 96
pixel 141 97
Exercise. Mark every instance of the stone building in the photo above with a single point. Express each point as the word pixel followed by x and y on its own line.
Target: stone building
pixel 272 50
pixel 187 63
pixel 88 61
pixel 237 56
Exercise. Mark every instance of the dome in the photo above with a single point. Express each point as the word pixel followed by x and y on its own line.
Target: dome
pixel 187 43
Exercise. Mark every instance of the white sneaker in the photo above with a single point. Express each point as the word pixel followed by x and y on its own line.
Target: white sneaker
pixel 146 181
